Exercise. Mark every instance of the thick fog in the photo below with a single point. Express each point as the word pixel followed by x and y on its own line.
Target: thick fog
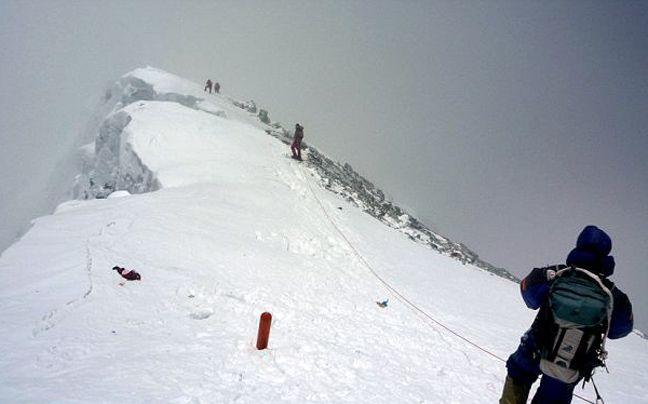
pixel 505 125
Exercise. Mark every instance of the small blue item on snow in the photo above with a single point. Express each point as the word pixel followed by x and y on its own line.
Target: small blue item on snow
pixel 384 303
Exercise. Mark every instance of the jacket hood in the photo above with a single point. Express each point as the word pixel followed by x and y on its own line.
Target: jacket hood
pixel 592 252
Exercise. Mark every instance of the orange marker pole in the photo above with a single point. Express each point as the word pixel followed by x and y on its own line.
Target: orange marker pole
pixel 264 330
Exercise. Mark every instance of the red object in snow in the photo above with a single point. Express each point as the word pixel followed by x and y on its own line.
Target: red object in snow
pixel 264 330
pixel 128 274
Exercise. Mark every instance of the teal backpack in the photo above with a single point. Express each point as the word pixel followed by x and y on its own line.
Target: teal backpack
pixel 580 308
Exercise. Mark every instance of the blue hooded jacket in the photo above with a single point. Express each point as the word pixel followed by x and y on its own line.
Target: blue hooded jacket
pixel 592 253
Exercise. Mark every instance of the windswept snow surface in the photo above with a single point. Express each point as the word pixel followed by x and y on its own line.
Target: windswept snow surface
pixel 231 229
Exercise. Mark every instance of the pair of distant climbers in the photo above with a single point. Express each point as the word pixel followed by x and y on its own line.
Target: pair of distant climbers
pixel 295 147
pixel 579 308
pixel 210 84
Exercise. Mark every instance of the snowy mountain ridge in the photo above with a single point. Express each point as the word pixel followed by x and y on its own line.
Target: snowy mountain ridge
pixel 114 166
pixel 233 229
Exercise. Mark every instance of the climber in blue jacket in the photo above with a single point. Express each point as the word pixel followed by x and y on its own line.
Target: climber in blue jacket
pixel 523 366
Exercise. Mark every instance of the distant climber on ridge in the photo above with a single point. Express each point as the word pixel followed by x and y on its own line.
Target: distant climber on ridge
pixel 296 144
pixel 208 86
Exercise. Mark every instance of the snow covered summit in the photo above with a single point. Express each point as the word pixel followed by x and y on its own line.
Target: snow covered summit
pixel 114 161
pixel 190 190
pixel 157 127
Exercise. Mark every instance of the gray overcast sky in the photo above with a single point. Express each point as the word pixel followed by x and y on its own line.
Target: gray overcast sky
pixel 505 125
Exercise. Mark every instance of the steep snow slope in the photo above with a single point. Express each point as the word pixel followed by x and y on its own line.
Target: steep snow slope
pixel 231 227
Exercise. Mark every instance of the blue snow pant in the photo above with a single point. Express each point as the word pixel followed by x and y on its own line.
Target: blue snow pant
pixel 524 367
